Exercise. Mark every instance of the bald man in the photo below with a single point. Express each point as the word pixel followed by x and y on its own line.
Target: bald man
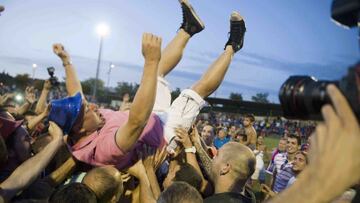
pixel 105 182
pixel 231 168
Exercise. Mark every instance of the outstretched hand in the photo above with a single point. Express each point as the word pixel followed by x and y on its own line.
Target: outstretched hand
pixel 194 135
pixel 182 136
pixel 5 98
pixel 30 95
pixel 151 47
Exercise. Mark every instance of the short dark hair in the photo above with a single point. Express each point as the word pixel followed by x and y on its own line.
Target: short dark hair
pixel 251 117
pixel 180 192
pixel 73 193
pixel 187 173
pixel 104 184
pixel 293 136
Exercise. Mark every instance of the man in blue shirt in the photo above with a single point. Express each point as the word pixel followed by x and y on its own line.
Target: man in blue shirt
pixel 221 138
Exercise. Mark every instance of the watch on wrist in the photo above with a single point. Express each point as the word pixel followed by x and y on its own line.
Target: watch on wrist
pixel 66 63
pixel 190 150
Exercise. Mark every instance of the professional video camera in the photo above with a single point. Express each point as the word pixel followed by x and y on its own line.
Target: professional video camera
pixel 302 97
pixel 53 80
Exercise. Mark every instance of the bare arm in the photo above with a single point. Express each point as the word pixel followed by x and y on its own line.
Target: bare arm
pixel 138 170
pixel 32 123
pixel 73 84
pixel 27 172
pixel 152 160
pixel 42 103
pixel 5 98
pixel 204 159
pixel 183 137
pixel 60 174
pixel 29 100
pixel 144 99
pixel 23 108
pixel 154 185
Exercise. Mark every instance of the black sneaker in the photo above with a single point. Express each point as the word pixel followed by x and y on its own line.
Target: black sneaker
pixel 191 21
pixel 237 32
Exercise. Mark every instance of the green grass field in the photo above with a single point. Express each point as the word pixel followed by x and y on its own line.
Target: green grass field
pixel 271 142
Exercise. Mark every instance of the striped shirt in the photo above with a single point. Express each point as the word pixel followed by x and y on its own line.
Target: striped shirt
pixel 276 164
pixel 283 177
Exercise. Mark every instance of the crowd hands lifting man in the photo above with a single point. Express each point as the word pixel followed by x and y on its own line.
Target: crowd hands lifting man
pixel 69 150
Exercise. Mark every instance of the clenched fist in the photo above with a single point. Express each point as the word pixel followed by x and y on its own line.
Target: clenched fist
pixel 60 51
pixel 151 47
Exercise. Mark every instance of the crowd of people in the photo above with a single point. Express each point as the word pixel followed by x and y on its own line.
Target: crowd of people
pixel 152 150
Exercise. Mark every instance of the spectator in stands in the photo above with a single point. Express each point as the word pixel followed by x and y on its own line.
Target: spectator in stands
pixel 221 138
pixel 306 146
pixel 233 131
pixel 280 154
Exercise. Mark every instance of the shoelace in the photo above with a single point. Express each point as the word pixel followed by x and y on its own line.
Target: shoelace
pixel 236 30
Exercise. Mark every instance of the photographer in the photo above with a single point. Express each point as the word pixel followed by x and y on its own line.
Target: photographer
pixel 337 139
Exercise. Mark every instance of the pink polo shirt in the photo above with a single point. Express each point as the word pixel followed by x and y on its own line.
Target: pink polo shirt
pixel 100 148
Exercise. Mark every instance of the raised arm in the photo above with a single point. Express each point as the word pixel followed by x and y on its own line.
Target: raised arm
pixel 27 172
pixel 152 160
pixel 30 99
pixel 204 159
pixel 42 103
pixel 138 170
pixel 184 139
pixel 144 99
pixel 32 123
pixel 73 84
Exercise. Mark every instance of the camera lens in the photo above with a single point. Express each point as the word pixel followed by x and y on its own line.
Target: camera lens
pixel 302 97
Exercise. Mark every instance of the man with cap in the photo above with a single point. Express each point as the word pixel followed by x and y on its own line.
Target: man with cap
pixel 104 137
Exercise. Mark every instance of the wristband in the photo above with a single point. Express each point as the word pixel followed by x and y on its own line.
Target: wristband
pixel 191 150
